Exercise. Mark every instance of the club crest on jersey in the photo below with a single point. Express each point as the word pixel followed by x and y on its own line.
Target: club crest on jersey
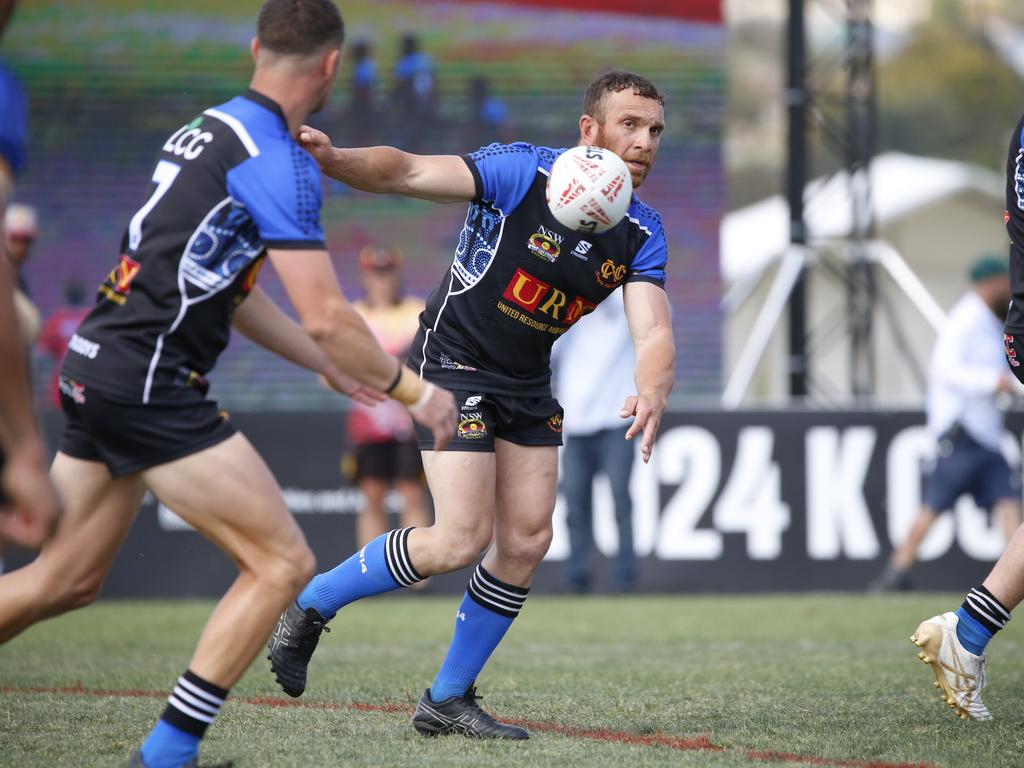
pixel 555 423
pixel 472 429
pixel 610 274
pixel 118 284
pixel 545 244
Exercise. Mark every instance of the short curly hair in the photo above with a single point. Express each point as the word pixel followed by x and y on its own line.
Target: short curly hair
pixel 613 82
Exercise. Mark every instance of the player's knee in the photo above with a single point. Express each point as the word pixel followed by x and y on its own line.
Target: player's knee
pixel 458 547
pixel 290 569
pixel 526 547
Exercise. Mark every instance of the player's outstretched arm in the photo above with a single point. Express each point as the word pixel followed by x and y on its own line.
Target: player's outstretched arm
pixel 260 320
pixel 440 178
pixel 650 325
pixel 348 343
pixel 32 511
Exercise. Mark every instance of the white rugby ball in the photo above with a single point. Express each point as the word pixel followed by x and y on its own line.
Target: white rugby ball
pixel 589 189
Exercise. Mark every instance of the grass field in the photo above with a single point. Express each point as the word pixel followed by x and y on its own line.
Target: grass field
pixel 647 681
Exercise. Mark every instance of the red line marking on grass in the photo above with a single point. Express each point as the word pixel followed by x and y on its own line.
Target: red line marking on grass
pixel 700 743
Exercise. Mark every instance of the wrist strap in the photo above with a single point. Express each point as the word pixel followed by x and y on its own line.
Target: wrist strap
pixel 398 378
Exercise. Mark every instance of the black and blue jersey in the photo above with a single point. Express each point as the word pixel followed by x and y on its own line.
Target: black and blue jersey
pixel 520 279
pixel 1014 218
pixel 226 186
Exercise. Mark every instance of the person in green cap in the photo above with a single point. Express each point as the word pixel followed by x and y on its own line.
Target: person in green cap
pixel 969 385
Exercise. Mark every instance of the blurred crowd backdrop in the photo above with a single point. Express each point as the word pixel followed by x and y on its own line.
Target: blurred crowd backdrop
pixel 109 80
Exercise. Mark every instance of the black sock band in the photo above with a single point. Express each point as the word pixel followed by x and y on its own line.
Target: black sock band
pixel 397 560
pixel 193 704
pixel 495 595
pixel 982 606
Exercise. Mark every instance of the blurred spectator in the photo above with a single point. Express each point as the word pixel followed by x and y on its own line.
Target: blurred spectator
pixel 20 230
pixel 600 345
pixel 385 452
pixel 969 384
pixel 362 109
pixel 415 94
pixel 13 120
pixel 488 116
pixel 60 327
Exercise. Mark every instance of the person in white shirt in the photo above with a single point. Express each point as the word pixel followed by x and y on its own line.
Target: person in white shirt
pixel 594 376
pixel 968 386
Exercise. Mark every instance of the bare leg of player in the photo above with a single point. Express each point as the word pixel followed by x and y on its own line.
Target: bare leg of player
pixel 522 525
pixel 229 495
pixel 373 517
pixel 526 479
pixel 462 484
pixel 71 567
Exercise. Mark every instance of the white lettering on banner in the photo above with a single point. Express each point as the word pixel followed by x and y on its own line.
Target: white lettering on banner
pixel 838 521
pixel 751 501
pixel 907 460
pixel 689 457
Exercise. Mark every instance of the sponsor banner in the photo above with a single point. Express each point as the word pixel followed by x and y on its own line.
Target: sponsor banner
pixel 731 501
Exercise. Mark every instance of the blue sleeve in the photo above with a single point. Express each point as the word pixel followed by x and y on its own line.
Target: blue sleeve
pixel 13 119
pixel 280 188
pixel 503 173
pixel 650 261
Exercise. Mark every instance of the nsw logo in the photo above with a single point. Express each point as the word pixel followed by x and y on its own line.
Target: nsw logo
pixel 545 244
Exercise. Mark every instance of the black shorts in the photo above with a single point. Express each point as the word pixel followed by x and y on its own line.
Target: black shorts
pixel 483 417
pixel 132 437
pixel 390 461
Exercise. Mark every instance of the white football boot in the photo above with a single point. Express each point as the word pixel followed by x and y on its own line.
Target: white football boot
pixel 959 674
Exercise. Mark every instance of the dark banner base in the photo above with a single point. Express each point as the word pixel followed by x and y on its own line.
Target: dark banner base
pixel 732 501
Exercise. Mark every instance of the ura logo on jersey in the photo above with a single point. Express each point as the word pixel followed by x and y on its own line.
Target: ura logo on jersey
pixel 610 274
pixel 188 142
pixel 526 291
pixel 545 243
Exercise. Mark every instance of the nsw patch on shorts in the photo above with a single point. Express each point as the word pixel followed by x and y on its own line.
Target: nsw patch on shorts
pixel 483 417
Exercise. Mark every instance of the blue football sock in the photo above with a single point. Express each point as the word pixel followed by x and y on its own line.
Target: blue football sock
pixel 981 616
pixel 486 613
pixel 168 747
pixel 972 635
pixel 381 566
pixel 191 707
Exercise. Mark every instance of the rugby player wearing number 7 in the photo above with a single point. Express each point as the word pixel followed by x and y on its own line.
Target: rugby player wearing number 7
pixel 519 279
pixel 230 187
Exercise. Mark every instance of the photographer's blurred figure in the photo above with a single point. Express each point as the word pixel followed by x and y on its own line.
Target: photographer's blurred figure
pixel 969 388
pixel 385 453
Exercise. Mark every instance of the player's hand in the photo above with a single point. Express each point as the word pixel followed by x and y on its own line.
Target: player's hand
pixel 437 413
pixel 361 393
pixel 316 142
pixel 32 508
pixel 646 419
